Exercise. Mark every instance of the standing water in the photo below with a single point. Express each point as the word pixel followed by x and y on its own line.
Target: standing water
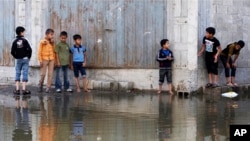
pixel 103 116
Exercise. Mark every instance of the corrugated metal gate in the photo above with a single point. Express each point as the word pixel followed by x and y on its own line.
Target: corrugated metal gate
pixel 7 31
pixel 117 33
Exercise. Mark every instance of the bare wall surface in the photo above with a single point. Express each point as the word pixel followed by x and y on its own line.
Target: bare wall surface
pixel 125 35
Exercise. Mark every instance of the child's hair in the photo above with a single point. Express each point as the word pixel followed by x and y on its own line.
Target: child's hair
pixel 64 33
pixel 210 30
pixel 163 42
pixel 49 30
pixel 19 30
pixel 77 36
pixel 241 43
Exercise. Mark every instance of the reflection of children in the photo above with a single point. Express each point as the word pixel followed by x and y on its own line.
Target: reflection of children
pixel 211 46
pixel 228 63
pixel 165 58
pixel 22 121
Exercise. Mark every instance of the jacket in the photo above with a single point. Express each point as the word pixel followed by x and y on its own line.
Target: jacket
pixel 162 58
pixel 21 48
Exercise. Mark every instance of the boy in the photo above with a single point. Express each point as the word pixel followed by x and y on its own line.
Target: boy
pixel 78 62
pixel 46 57
pixel 62 59
pixel 213 49
pixel 225 56
pixel 165 58
pixel 21 51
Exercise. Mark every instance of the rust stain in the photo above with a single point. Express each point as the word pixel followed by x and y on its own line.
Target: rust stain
pixel 8 60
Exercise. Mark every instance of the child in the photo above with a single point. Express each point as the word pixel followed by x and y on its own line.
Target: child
pixel 78 59
pixel 225 56
pixel 46 56
pixel 62 59
pixel 213 49
pixel 165 58
pixel 21 51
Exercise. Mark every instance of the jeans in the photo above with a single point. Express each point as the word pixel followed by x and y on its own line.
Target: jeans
pixel 227 70
pixel 58 82
pixel 22 66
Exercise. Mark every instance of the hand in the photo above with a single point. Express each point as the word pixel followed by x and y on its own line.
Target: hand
pixel 215 59
pixel 234 65
pixel 71 67
pixel 41 64
pixel 44 42
pixel 58 64
pixel 200 53
pixel 169 58
pixel 228 65
pixel 84 64
pixel 52 40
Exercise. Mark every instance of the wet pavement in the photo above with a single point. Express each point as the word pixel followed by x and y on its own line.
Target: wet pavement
pixel 109 116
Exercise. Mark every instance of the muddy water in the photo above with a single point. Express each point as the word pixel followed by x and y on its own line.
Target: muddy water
pixel 102 116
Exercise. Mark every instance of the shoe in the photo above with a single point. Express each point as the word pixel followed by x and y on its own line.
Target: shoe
pixel 58 90
pixel 69 90
pixel 215 85
pixel 16 92
pixel 209 85
pixel 40 89
pixel 47 90
pixel 26 92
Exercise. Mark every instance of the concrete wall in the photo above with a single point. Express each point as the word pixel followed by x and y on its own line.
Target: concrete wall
pixel 231 19
pixel 186 22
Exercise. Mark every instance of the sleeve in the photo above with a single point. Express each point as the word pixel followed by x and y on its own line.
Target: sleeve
pixel 40 51
pixel 84 49
pixel 70 50
pixel 230 50
pixel 13 49
pixel 159 57
pixel 218 43
pixel 29 49
pixel 57 48
pixel 203 40
pixel 172 55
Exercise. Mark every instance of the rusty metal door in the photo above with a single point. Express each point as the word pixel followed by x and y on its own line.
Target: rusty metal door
pixel 7 31
pixel 117 33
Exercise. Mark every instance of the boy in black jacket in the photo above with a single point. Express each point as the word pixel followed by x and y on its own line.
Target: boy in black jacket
pixel 21 51
pixel 165 58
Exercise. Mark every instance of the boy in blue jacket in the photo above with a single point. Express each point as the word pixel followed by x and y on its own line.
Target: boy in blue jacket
pixel 165 58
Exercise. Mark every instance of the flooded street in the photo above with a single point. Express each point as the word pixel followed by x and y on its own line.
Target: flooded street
pixel 103 116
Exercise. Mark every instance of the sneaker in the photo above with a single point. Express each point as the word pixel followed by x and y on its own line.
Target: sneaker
pixel 209 85
pixel 58 90
pixel 69 90
pixel 26 92
pixel 16 92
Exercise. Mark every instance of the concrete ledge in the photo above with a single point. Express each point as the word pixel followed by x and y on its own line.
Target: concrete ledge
pixel 223 89
pixel 110 85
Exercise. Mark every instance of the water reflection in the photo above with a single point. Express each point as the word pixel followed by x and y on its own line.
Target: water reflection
pixel 102 116
pixel 22 131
